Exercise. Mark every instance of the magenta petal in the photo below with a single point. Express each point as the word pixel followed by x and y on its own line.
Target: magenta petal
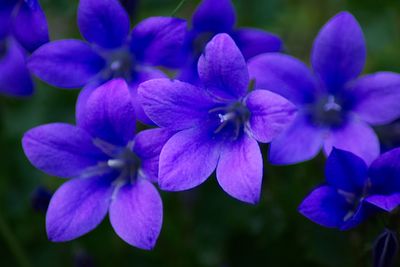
pixel 61 149
pixel 253 42
pixel 240 169
pixel 222 68
pixel 109 114
pixel 66 63
pixel 187 160
pixel 356 137
pixel 136 214
pixel 339 51
pixel 214 16
pixel 270 115
pixel 77 207
pixel 30 25
pixel 104 22
pixel 284 75
pixel 300 142
pixel 15 79
pixel 158 41
pixel 174 104
pixel 147 146
pixel 377 97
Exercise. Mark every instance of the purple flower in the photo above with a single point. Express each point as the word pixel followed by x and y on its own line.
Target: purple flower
pixel 336 108
pixel 353 190
pixel 23 28
pixel 217 125
pixel 212 17
pixel 110 169
pixel 111 51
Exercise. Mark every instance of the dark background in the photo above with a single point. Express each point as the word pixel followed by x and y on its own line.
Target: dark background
pixel 202 227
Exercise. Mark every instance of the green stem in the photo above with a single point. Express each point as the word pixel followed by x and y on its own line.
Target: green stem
pixel 177 8
pixel 13 244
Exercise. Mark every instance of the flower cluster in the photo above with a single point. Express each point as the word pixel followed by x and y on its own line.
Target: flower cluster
pixel 232 90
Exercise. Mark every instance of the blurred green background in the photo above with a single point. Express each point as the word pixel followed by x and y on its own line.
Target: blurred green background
pixel 202 227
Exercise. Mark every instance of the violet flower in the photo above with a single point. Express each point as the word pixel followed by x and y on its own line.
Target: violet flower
pixel 217 125
pixel 23 28
pixel 336 108
pixel 110 169
pixel 111 51
pixel 212 17
pixel 353 191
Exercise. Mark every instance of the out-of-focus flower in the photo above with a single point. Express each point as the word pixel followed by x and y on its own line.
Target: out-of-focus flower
pixel 385 249
pixel 111 51
pixel 336 108
pixel 353 191
pixel 23 28
pixel 212 17
pixel 389 135
pixel 111 169
pixel 217 125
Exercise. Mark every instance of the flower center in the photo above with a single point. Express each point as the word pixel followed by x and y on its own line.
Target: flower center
pixel 230 120
pixel 328 112
pixel 120 64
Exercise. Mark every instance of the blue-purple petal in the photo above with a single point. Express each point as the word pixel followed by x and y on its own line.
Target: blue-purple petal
pixel 384 173
pixel 214 16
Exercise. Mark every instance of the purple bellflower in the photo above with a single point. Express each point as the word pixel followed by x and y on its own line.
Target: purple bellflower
pixel 23 28
pixel 110 51
pixel 212 17
pixel 217 126
pixel 336 108
pixel 110 169
pixel 353 191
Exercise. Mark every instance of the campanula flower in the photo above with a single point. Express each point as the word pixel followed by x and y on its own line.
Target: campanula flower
pixel 336 107
pixel 110 170
pixel 23 28
pixel 110 51
pixel 353 190
pixel 212 17
pixel 217 125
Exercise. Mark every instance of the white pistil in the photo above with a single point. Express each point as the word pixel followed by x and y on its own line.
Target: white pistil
pixel 332 105
pixel 115 163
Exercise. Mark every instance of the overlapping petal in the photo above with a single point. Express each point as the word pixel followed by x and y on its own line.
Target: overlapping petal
pixel 174 104
pixel 214 16
pixel 222 68
pixel 339 51
pixel 240 169
pixel 61 150
pixel 77 207
pixel 66 63
pixel 270 115
pixel 104 23
pixel 136 214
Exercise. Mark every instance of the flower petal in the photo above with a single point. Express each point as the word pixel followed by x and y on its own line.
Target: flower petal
pixel 356 137
pixel 222 68
pixel 187 160
pixel 147 146
pixel 300 142
pixel 66 63
pixel 339 51
pixel 60 149
pixel 214 16
pixel 77 207
pixel 240 169
pixel 30 25
pixel 346 171
pixel 377 97
pixel 384 173
pixel 270 115
pixel 253 42
pixel 109 113
pixel 15 79
pixel 385 202
pixel 325 206
pixel 158 41
pixel 136 214
pixel 284 75
pixel 174 104
pixel 104 23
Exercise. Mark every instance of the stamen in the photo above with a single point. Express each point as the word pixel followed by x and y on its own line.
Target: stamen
pixel 109 149
pixel 332 105
pixel 348 215
pixel 350 197
pixel 116 163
